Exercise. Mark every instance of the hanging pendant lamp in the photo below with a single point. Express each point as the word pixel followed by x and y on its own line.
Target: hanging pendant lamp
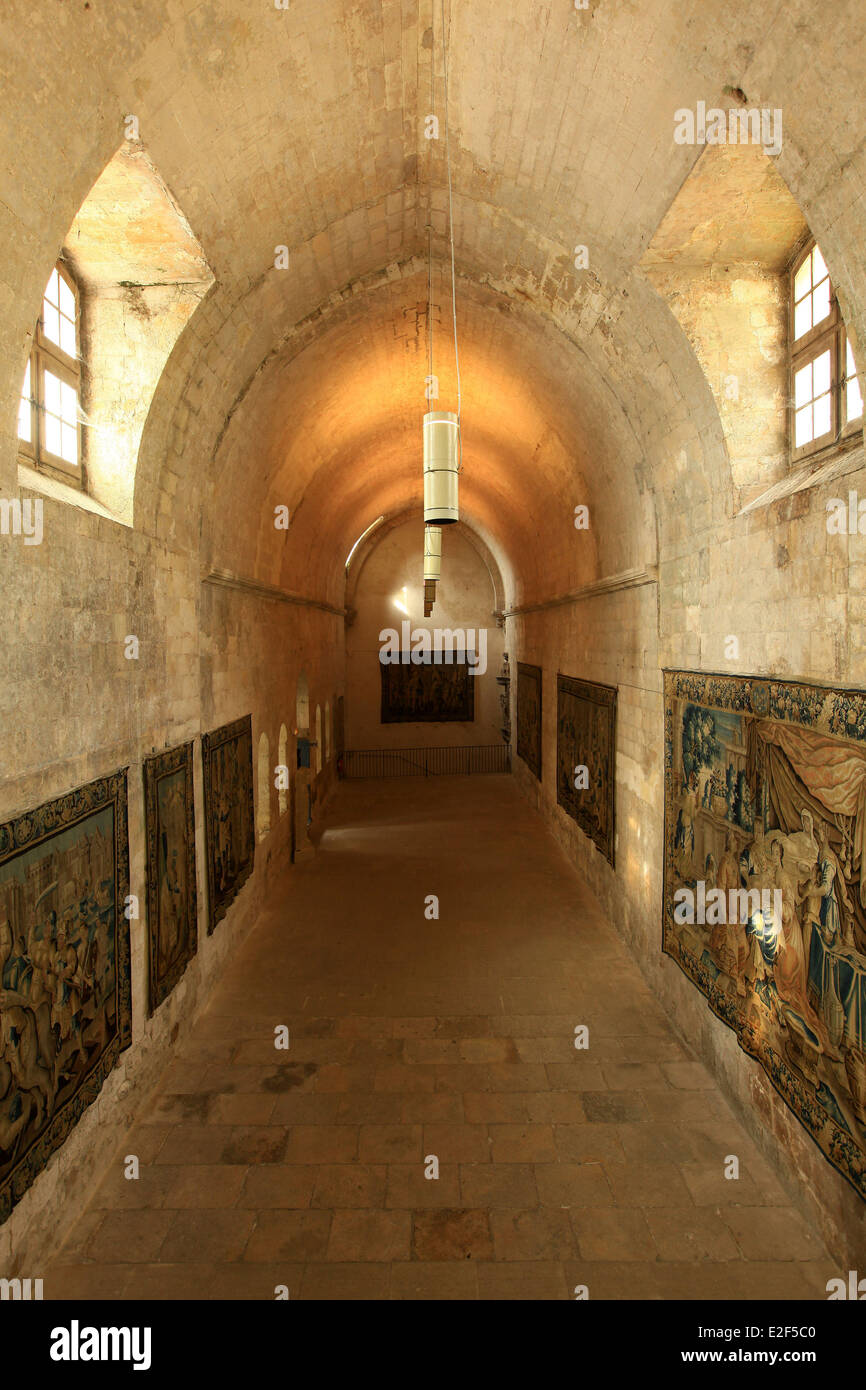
pixel 441 467
pixel 432 565
pixel 432 552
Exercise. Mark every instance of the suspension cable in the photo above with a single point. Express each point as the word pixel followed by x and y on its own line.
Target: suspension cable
pixel 451 224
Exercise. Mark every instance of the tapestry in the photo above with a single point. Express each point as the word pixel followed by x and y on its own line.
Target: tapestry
pixel 586 757
pixel 227 764
pixel 529 716
pixel 172 901
pixel 65 1005
pixel 434 692
pixel 764 893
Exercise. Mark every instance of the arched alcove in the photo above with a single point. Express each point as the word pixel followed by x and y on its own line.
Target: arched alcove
pixel 302 706
pixel 283 795
pixel 387 592
pixel 141 274
pixel 263 795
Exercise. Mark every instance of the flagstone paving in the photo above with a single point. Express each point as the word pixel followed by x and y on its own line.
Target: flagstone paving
pixel 413 1039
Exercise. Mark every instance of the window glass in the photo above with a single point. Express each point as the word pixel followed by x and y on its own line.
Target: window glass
pixel 853 396
pixel 812 297
pixel 25 426
pixel 812 399
pixel 58 314
pixel 61 418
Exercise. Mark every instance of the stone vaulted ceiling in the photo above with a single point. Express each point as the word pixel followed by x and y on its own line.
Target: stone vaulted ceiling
pixel 304 127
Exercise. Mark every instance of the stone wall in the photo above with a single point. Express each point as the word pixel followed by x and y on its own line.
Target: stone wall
pixel 776 580
pixel 74 709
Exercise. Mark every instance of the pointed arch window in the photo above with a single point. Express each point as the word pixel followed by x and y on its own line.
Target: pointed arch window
pixel 826 404
pixel 49 411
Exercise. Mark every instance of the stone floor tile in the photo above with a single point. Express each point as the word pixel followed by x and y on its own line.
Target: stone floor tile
pixel 295 1236
pixel 612 1233
pixel 614 1107
pixel 255 1282
pixel 72 1282
pixel 573 1185
pixel 207 1233
pixel 510 1185
pixel 205 1185
pixel 496 1107
pixel 648 1185
pixel 322 1144
pixel 248 1144
pixel 279 1185
pixel 349 1185
pixel 450 1279
pixel 130 1237
pixel 390 1143
pixel 536 1280
pixel 380 1236
pixel 457 1143
pixel 697 1233
pixel 333 1282
pixel 165 1282
pixel 542 1234
pixel 771 1233
pixel 408 1187
pixel 451 1235
pixel 522 1144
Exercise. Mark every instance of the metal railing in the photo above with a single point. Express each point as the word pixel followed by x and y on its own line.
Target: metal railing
pixel 426 762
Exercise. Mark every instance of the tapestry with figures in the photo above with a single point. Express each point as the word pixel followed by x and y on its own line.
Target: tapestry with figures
pixel 765 895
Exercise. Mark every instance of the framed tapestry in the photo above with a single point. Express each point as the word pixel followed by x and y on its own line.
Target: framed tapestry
pixel 65 1000
pixel 172 900
pixel 529 716
pixel 227 765
pixel 586 757
pixel 435 692
pixel 764 904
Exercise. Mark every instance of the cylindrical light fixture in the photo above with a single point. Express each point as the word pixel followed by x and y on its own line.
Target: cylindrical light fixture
pixel 432 552
pixel 441 466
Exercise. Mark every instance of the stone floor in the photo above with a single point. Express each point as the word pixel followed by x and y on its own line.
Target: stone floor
pixel 451 1037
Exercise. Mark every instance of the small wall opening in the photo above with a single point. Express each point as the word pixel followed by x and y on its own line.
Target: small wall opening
pixel 263 803
pixel 302 705
pixel 283 793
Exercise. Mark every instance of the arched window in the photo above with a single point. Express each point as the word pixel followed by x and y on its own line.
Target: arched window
pixel 283 795
pixel 49 431
pixel 264 796
pixel 826 402
pixel 318 738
